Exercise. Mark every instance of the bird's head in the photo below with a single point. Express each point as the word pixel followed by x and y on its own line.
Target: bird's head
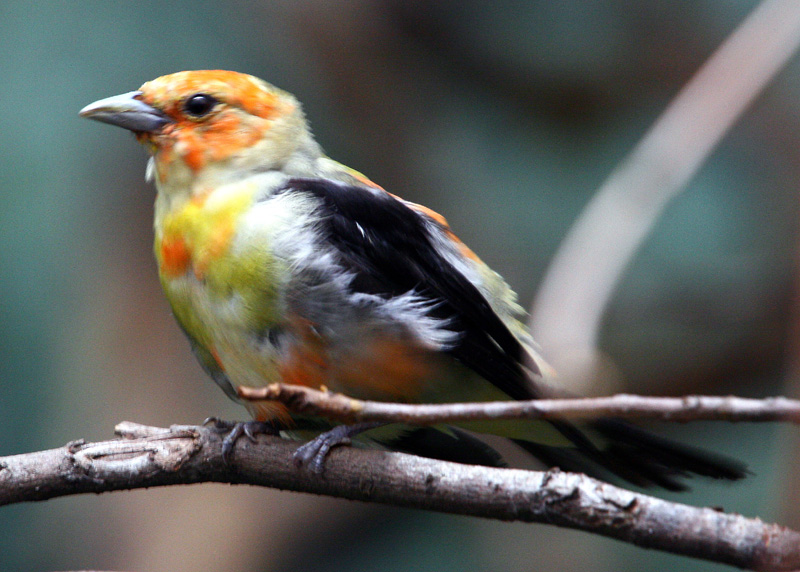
pixel 206 126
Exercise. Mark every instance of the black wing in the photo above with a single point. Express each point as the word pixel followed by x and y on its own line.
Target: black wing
pixel 389 248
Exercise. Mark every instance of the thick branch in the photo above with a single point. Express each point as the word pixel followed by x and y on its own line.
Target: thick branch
pixel 150 456
pixel 690 408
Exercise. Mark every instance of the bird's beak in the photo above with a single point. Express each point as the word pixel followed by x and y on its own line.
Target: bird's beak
pixel 127 112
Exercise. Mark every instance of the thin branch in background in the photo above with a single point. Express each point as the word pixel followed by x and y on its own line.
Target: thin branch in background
pixel 152 456
pixel 582 277
pixel 342 408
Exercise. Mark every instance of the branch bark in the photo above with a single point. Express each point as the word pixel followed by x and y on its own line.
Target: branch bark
pixel 689 408
pixel 151 456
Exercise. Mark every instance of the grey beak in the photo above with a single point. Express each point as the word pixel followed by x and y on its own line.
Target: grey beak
pixel 127 112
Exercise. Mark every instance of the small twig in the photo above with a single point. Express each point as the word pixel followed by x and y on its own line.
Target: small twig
pixel 152 456
pixel 690 408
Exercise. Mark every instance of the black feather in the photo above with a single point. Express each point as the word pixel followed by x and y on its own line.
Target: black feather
pixel 389 248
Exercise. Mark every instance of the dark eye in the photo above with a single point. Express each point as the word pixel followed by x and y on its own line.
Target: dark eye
pixel 199 104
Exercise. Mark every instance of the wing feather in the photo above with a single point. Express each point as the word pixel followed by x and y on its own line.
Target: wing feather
pixel 389 248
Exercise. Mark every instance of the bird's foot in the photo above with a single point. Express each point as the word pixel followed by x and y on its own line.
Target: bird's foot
pixel 312 455
pixel 236 429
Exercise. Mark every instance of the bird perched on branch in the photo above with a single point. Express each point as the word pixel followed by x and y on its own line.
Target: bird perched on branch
pixel 282 265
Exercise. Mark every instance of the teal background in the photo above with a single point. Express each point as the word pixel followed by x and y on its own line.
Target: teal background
pixel 505 116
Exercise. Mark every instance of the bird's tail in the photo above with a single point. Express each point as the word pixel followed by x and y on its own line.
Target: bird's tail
pixel 633 454
pixel 608 449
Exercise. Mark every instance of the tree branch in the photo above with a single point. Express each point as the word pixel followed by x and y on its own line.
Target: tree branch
pixel 151 456
pixel 689 408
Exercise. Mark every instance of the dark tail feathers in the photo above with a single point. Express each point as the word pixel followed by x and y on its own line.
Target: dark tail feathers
pixel 626 452
pixel 637 456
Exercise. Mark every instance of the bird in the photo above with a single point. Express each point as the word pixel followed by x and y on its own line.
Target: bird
pixel 283 265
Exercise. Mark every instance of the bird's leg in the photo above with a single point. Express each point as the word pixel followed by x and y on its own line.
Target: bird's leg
pixel 236 429
pixel 313 454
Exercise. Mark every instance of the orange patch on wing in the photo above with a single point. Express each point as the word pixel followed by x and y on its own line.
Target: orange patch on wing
pixel 175 256
pixel 361 178
pixel 269 411
pixel 382 368
pixel 465 250
pixel 307 360
pixel 430 213
pixel 386 368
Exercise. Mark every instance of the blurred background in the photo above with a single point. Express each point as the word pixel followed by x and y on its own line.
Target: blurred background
pixel 505 116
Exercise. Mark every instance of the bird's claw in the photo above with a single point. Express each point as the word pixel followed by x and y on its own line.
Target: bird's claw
pixel 219 425
pixel 235 430
pixel 313 454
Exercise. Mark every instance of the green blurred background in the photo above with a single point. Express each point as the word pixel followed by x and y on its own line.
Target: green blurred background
pixel 505 116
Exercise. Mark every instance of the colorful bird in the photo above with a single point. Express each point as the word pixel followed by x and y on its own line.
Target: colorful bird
pixel 282 265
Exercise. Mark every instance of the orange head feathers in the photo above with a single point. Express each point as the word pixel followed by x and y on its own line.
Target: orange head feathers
pixel 193 120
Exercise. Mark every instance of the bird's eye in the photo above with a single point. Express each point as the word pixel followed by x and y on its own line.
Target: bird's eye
pixel 199 105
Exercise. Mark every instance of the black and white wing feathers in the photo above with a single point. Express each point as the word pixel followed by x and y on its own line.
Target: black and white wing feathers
pixel 389 248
